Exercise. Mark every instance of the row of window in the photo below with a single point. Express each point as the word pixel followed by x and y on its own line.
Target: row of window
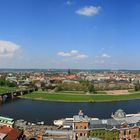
pixel 81 127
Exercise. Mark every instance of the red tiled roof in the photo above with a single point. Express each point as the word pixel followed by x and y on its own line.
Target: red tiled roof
pixel 14 134
pixel 5 129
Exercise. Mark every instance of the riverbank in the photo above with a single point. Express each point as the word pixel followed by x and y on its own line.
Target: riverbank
pixel 71 97
pixel 4 89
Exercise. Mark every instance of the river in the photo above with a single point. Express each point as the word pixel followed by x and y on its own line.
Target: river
pixel 34 111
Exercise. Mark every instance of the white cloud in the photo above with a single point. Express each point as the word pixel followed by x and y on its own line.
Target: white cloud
pixel 64 54
pixel 88 10
pixel 73 54
pixel 68 2
pixel 81 56
pixel 105 56
pixel 102 59
pixel 7 48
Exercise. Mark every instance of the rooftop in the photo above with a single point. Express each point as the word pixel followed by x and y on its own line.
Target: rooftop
pixel 80 117
pixel 2 136
pixel 119 114
pixel 14 134
pixel 10 133
pixel 5 129
pixel 5 118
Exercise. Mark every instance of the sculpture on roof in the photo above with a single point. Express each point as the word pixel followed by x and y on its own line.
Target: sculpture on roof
pixel 119 114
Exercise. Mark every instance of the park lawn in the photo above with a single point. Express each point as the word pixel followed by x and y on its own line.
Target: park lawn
pixel 79 92
pixel 79 98
pixel 74 92
pixel 71 92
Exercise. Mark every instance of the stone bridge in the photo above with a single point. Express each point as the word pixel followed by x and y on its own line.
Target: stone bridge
pixel 13 94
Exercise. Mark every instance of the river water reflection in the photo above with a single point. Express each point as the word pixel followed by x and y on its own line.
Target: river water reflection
pixel 35 111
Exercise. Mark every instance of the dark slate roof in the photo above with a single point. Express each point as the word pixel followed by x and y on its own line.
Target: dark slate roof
pixel 105 124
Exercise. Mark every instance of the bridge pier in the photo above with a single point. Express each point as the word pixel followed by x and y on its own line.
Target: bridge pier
pixel 21 93
pixel 12 95
pixel 1 98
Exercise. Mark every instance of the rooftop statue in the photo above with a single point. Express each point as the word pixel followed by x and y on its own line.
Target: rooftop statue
pixel 119 114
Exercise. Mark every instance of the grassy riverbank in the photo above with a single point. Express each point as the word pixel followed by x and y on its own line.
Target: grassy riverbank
pixel 79 96
pixel 4 89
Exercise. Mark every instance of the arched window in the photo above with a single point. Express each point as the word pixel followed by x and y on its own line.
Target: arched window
pixel 129 132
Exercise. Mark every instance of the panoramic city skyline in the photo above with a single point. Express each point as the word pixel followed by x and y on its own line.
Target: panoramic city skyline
pixel 80 34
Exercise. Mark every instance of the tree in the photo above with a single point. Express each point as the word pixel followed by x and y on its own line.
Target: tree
pixel 137 86
pixel 2 81
pixel 91 88
pixel 43 86
pixel 11 84
pixel 59 87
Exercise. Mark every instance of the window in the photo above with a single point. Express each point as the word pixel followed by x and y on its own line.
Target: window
pixel 124 132
pixel 129 132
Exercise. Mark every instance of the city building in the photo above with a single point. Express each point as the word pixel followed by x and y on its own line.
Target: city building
pixel 8 133
pixel 80 125
pixel 9 122
pixel 121 126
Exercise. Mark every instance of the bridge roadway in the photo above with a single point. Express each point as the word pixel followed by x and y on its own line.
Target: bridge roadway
pixel 11 95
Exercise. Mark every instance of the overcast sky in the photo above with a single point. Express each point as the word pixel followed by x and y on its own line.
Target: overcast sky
pixel 87 34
